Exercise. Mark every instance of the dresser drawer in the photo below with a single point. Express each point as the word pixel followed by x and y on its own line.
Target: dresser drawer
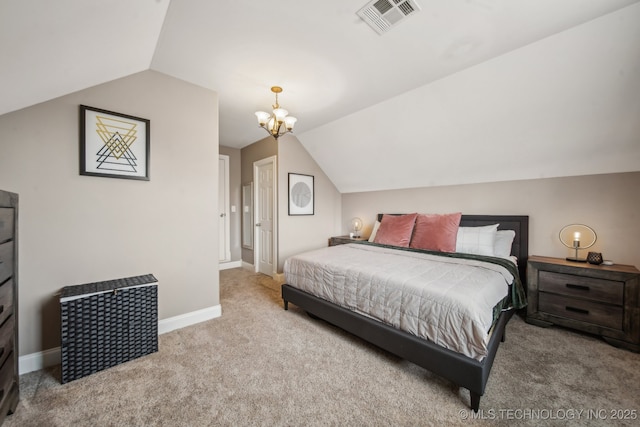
pixel 6 300
pixel 6 339
pixel 6 224
pixel 586 311
pixel 608 291
pixel 6 377
pixel 6 261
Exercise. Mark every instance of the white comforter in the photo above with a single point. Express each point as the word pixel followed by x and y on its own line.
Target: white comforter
pixel 446 300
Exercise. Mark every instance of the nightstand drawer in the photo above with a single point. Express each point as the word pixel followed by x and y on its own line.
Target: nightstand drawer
pixel 586 311
pixel 6 224
pixel 6 261
pixel 608 291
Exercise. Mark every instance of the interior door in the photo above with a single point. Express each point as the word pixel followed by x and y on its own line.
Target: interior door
pixel 264 248
pixel 224 250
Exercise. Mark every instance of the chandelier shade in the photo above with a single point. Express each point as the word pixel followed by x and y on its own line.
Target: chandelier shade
pixel 280 122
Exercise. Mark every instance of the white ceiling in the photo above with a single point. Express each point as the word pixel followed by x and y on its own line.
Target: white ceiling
pixel 329 62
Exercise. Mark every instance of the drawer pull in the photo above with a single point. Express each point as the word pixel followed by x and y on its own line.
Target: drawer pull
pixel 576 310
pixel 578 287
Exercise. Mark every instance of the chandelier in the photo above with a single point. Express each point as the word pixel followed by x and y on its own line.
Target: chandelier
pixel 274 124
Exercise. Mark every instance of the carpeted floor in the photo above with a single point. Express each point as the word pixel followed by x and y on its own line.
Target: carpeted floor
pixel 261 365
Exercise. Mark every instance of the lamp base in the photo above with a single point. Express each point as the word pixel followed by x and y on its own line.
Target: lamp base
pixel 576 259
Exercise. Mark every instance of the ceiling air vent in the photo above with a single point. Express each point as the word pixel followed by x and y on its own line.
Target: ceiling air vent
pixel 382 15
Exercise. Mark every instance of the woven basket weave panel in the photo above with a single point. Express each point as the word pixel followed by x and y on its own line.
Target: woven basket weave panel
pixel 104 330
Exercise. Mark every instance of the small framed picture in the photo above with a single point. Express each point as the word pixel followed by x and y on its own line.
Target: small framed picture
pixel 113 145
pixel 300 194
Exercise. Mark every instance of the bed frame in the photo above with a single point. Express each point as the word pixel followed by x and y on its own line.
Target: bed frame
pixel 456 367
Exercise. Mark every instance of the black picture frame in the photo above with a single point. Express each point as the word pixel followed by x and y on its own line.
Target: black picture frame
pixel 301 194
pixel 114 145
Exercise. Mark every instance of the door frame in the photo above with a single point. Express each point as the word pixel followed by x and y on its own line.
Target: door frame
pixel 225 211
pixel 256 195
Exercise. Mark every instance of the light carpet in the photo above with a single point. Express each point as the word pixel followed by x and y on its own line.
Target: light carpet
pixel 260 365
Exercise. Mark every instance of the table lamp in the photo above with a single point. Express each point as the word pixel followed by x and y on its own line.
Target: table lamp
pixel 577 237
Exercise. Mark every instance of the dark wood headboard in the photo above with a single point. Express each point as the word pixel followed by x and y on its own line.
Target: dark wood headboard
pixel 517 223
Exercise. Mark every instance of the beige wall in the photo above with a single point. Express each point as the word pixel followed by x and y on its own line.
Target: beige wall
pixel 301 233
pixel 235 199
pixel 77 229
pixel 610 204
pixel 259 150
pixel 295 233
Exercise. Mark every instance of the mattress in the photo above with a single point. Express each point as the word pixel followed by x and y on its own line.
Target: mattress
pixel 446 299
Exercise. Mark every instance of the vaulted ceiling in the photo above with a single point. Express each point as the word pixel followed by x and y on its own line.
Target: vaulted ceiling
pixel 461 91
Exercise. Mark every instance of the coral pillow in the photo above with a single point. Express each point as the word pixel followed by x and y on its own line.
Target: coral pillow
pixel 436 232
pixel 395 230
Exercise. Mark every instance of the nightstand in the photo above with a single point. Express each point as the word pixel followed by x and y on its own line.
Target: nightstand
pixel 599 299
pixel 342 240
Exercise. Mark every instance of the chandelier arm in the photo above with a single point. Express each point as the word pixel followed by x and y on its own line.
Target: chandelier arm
pixel 278 134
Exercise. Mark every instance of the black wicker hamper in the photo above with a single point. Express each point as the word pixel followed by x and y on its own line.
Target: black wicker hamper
pixel 107 323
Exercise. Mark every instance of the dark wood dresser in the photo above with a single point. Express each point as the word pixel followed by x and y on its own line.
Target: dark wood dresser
pixel 599 299
pixel 9 381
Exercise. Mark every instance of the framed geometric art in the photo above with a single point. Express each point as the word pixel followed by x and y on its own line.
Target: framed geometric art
pixel 300 194
pixel 113 145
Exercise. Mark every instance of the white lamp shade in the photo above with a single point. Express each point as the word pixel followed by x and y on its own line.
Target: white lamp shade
pixel 280 114
pixel 263 117
pixel 289 122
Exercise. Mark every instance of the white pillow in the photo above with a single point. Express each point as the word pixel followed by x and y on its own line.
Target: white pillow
pixel 374 231
pixel 502 245
pixel 477 240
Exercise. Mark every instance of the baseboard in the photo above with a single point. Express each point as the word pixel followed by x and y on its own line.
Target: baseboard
pixel 51 357
pixel 248 266
pixel 36 361
pixel 228 265
pixel 188 319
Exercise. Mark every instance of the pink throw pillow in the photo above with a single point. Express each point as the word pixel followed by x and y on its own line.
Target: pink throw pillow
pixel 395 230
pixel 436 232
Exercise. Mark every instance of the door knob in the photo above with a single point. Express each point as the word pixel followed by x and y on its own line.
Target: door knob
pixel 258 224
pixel 222 215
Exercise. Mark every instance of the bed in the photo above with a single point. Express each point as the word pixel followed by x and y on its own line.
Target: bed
pixel 466 368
